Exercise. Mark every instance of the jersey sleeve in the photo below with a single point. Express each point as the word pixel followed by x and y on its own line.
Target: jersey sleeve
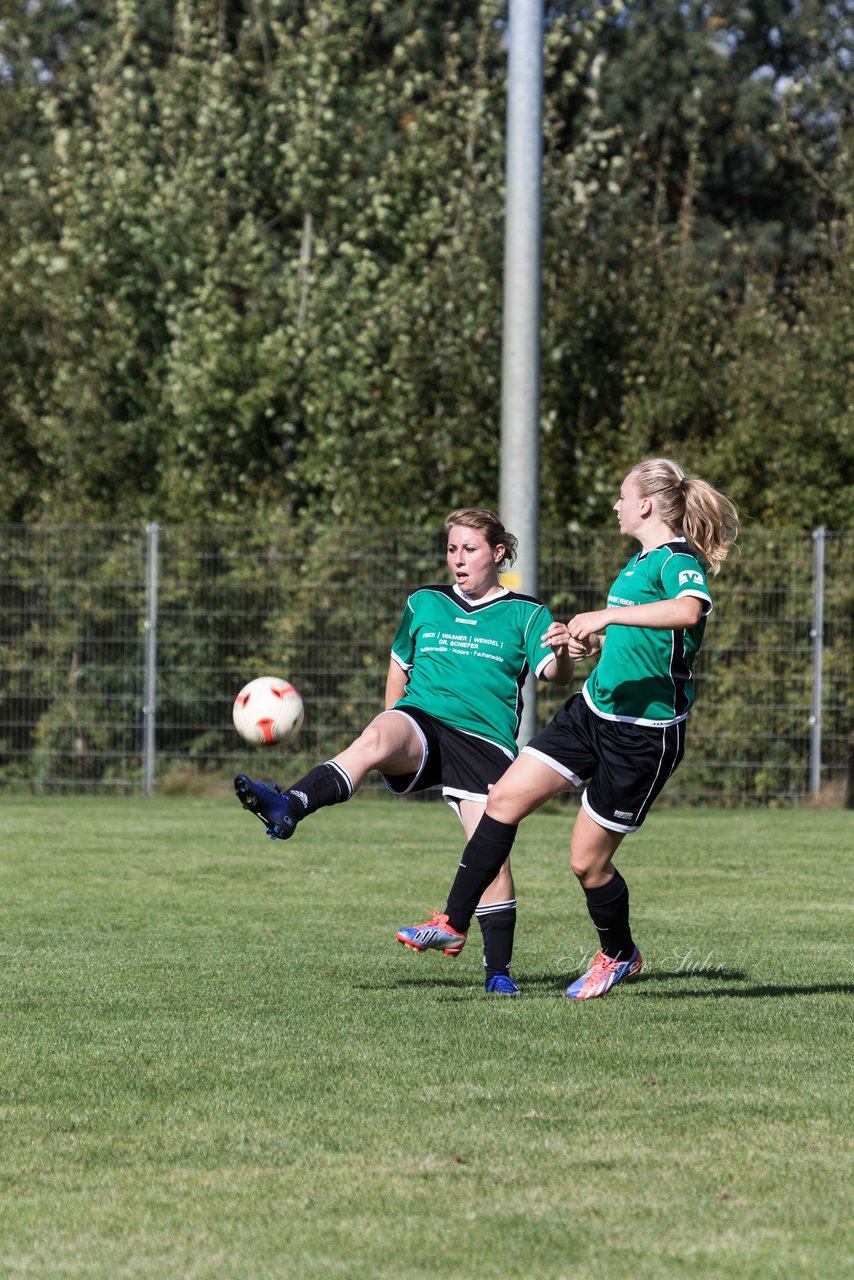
pixel 683 575
pixel 403 645
pixel 538 653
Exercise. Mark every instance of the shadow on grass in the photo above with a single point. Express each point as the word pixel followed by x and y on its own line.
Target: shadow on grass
pixel 704 985
pixel 711 985
pixel 752 991
pixel 559 977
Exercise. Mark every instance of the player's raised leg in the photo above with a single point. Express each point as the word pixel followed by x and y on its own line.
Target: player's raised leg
pixel 389 742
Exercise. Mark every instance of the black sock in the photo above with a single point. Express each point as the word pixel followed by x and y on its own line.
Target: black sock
pixel 483 857
pixel 323 785
pixel 609 910
pixel 497 924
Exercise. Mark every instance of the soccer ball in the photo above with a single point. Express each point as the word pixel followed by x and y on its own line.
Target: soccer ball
pixel 267 710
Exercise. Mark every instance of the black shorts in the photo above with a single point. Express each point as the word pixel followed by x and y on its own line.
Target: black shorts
pixel 626 765
pixel 462 764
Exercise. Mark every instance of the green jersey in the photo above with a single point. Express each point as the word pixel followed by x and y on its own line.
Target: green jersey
pixel 467 659
pixel 644 674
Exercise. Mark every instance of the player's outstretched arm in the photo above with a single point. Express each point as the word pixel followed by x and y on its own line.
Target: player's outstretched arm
pixel 663 615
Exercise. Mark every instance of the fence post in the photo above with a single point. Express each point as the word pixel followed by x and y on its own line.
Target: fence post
pixel 150 695
pixel 817 634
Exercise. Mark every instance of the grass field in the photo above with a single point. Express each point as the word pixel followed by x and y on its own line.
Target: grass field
pixel 217 1063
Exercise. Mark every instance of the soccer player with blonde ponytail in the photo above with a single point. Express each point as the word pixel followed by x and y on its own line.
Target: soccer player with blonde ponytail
pixel 623 735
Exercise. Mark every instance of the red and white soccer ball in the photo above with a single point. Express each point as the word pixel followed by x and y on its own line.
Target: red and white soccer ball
pixel 267 710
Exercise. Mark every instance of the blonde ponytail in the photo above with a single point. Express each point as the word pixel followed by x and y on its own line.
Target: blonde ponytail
pixel 692 507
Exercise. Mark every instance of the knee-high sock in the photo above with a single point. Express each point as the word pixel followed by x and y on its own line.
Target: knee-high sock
pixel 608 906
pixel 323 785
pixel 497 923
pixel 483 857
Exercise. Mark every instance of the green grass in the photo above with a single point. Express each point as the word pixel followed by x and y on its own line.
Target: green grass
pixel 215 1061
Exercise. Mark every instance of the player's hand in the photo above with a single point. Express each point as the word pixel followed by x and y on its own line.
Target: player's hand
pixel 584 627
pixel 561 641
pixel 556 637
pixel 579 649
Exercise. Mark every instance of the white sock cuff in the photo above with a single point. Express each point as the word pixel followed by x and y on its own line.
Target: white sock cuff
pixel 490 908
pixel 348 781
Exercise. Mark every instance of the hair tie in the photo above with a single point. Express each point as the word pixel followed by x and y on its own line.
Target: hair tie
pixel 683 484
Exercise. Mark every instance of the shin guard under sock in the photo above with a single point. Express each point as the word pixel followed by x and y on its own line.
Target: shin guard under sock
pixel 497 923
pixel 483 857
pixel 323 785
pixel 608 906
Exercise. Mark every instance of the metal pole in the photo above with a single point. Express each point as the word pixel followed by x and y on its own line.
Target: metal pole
pixel 817 634
pixel 150 695
pixel 519 488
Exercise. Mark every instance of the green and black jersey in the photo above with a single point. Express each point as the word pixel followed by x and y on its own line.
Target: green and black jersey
pixel 645 674
pixel 467 659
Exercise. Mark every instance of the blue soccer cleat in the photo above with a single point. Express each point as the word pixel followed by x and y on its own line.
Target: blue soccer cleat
pixel 267 803
pixel 435 935
pixel 603 974
pixel 501 984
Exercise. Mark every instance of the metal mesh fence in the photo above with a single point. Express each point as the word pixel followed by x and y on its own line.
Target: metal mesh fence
pixel 772 722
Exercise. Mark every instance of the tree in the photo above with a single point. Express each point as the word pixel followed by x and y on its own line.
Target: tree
pixel 252 254
pixel 693 90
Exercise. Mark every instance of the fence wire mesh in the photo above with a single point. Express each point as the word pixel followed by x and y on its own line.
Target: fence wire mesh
pixel 321 608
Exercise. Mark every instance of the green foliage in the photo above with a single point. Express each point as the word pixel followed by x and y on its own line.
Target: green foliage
pixel 252 257
pixel 790 435
pixel 693 90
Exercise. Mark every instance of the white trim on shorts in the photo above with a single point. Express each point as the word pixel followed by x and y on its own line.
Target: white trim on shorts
pixel 456 793
pixel 608 823
pixel 417 727
pixel 553 764
pixel 453 795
